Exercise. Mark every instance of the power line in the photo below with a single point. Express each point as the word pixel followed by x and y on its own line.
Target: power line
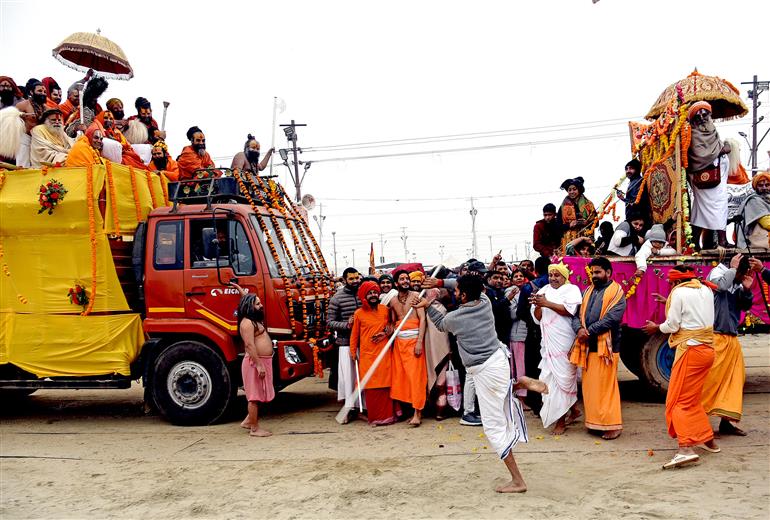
pixel 431 199
pixel 475 135
pixel 477 148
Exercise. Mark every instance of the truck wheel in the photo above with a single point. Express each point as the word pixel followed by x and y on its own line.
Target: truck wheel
pixel 191 384
pixel 631 343
pixel 657 360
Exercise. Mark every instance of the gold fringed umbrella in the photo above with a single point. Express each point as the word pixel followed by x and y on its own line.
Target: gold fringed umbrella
pixel 83 51
pixel 725 99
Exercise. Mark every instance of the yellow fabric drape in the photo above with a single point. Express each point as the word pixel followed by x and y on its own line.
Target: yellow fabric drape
pixel 125 201
pixel 61 345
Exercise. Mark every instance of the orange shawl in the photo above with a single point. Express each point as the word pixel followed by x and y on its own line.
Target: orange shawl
pixel 578 355
pixel 83 154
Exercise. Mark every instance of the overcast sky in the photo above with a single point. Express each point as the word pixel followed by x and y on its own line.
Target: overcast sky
pixel 378 71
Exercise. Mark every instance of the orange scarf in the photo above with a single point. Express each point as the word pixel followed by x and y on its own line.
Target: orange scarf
pixel 578 355
pixel 678 340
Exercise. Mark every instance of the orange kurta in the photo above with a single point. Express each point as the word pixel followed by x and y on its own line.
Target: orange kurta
pixel 723 389
pixel 82 154
pixel 189 161
pixel 171 171
pixel 686 419
pixel 367 323
pixel 410 373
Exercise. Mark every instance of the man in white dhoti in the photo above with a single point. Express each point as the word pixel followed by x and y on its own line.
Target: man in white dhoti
pixel 552 308
pixel 50 144
pixel 485 358
pixel 708 168
pixel 342 306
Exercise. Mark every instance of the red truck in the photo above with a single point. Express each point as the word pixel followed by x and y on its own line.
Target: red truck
pixel 176 273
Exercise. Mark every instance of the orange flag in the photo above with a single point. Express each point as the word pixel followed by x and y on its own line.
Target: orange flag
pixel 371 258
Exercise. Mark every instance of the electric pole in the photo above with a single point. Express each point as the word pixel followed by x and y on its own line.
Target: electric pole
pixel 491 251
pixel 334 241
pixel 382 250
pixel 403 238
pixel 757 87
pixel 474 212
pixel 354 259
pixel 319 219
pixel 291 136
pixel 441 252
pixel 526 248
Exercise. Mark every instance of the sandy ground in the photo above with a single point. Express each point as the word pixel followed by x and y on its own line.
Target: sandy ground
pixel 89 454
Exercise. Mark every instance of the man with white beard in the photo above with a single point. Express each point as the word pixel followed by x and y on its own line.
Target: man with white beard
pixel 50 144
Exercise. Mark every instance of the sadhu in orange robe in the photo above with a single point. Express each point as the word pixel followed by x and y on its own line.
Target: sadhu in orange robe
pixel 189 161
pixel 83 154
pixel 367 322
pixel 410 372
pixel 601 395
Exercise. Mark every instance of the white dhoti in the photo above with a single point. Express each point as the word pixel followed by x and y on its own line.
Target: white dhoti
pixel 501 414
pixel 555 369
pixel 709 207
pixel 346 375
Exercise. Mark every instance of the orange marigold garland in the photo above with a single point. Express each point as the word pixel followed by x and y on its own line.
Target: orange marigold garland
pixel 7 272
pixel 148 175
pixel 91 236
pixel 113 198
pixel 135 193
pixel 271 245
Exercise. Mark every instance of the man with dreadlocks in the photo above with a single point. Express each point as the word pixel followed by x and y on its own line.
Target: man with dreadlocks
pixel 94 89
pixel 248 159
pixel 195 156
pixel 257 366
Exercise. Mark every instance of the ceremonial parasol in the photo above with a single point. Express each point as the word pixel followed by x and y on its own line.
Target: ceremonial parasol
pixel 725 99
pixel 83 51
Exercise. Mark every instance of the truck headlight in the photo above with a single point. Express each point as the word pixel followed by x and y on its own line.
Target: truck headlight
pixel 292 355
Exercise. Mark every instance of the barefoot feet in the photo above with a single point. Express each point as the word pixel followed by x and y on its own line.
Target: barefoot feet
pixel 259 432
pixel 534 385
pixel 512 487
pixel 611 434
pixel 573 416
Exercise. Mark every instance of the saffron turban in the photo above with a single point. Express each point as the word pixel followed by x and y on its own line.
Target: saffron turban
pixel 161 144
pixel 675 275
pixel 698 105
pixel 561 269
pixel 416 275
pixel 758 177
pixel 365 287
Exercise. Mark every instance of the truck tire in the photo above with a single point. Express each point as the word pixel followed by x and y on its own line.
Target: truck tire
pixel 631 343
pixel 191 384
pixel 657 360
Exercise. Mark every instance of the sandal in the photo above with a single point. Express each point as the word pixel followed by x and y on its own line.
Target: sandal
pixel 680 460
pixel 709 449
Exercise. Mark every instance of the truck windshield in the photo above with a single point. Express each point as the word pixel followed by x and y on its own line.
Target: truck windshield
pixel 279 237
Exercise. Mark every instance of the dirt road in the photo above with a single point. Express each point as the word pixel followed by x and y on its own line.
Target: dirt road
pixel 79 454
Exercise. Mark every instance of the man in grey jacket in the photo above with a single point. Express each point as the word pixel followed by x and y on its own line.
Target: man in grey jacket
pixel 340 319
pixel 484 357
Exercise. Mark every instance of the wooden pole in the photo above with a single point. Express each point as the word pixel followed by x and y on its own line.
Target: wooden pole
pixel 679 230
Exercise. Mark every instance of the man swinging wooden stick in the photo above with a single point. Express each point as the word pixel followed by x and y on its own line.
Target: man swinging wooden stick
pixel 486 359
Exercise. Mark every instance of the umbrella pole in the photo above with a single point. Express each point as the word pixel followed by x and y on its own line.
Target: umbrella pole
pixel 80 105
pixel 165 109
pixel 351 398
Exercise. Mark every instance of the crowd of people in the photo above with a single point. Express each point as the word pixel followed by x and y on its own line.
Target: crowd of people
pixel 41 128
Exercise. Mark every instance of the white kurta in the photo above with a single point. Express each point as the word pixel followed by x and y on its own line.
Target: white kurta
pixel 709 207
pixel 555 369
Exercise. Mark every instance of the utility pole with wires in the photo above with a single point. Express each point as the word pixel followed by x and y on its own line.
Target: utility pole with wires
pixel 334 242
pixel 441 253
pixel 291 136
pixel 382 249
pixel 757 87
pixel 491 251
pixel 475 245
pixel 403 238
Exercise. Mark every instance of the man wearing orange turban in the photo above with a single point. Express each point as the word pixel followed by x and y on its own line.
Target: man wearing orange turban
pixel 690 323
pixel 162 161
pixel 87 148
pixel 369 334
pixel 754 229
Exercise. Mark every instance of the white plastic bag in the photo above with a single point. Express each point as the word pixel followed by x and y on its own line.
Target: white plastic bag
pixel 454 391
